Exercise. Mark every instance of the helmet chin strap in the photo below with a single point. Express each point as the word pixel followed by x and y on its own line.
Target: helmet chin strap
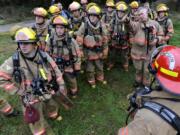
pixel 93 23
pixel 61 36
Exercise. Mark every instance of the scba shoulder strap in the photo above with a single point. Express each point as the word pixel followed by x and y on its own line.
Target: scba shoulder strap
pixel 16 64
pixel 165 113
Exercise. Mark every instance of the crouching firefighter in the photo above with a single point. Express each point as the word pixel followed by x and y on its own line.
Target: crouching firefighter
pixel 35 77
pixel 157 112
pixel 65 52
pixel 93 36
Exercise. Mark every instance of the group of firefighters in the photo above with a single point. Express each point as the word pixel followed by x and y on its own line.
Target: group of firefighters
pixel 60 45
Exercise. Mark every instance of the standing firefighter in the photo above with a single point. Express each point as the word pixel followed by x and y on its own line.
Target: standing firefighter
pixel 107 20
pixel 35 77
pixel 134 5
pixel 158 111
pixel 109 15
pixel 84 4
pixel 41 26
pixel 75 23
pixel 66 53
pixel 77 17
pixel 120 38
pixel 147 33
pixel 94 38
pixel 54 11
pixel 165 22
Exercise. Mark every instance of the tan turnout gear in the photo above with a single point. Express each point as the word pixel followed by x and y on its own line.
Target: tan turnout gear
pixel 166 24
pixel 41 29
pixel 157 111
pixel 66 53
pixel 151 123
pixel 22 83
pixel 120 37
pixel 94 40
pixel 75 21
pixel 140 51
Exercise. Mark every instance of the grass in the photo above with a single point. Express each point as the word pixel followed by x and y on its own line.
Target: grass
pixel 100 111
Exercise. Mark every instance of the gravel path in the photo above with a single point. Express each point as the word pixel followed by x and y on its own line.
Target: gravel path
pixel 7 27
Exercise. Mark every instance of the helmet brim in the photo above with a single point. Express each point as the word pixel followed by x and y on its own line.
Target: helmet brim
pixel 170 86
pixel 25 41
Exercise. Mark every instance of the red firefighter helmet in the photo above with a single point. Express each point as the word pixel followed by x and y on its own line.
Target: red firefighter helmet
pixel 167 66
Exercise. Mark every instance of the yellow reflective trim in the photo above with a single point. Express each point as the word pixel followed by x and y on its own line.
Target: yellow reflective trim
pixel 43 74
pixel 47 37
pixel 168 72
pixel 156 64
